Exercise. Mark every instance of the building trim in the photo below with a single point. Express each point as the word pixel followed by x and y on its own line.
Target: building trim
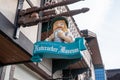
pixel 7 31
pixel 2 76
pixel 98 66
pixel 12 70
pixel 30 3
pixel 91 39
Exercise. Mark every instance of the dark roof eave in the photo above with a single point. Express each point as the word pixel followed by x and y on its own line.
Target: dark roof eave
pixel 91 39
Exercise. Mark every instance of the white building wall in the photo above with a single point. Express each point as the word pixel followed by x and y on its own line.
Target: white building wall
pixel 58 74
pixel 8 8
pixel 93 72
pixel 7 73
pixel 31 31
pixel 73 29
pixel 24 73
pixel 46 65
pixel 88 60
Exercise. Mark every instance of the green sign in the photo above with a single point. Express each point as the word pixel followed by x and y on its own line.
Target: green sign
pixel 47 49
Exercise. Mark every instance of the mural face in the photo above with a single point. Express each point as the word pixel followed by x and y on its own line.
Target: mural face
pixel 60 31
pixel 60 24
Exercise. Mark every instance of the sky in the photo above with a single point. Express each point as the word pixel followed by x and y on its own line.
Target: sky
pixel 103 19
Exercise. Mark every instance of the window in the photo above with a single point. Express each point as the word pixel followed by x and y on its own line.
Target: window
pixel 100 74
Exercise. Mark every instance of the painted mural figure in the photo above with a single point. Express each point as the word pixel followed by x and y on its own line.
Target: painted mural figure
pixel 60 44
pixel 61 32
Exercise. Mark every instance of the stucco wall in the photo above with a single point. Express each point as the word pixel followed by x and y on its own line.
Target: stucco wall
pixel 31 31
pixel 46 65
pixel 8 8
pixel 23 73
pixel 7 73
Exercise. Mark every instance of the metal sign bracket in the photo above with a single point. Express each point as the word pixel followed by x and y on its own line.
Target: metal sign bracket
pixel 17 26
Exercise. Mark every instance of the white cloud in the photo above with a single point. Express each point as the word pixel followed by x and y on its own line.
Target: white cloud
pixel 93 18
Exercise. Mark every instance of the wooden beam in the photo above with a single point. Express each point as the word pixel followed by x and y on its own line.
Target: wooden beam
pixel 30 3
pixel 66 2
pixel 91 39
pixel 26 21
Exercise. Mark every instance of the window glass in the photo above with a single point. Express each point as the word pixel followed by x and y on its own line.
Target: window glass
pixel 99 74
